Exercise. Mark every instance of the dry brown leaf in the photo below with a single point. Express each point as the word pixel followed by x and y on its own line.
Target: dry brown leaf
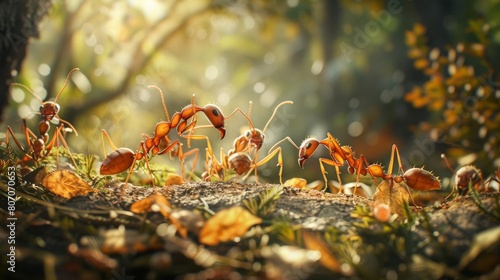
pixel 66 184
pixel 145 205
pixel 226 225
pixel 328 260
pixel 392 194
pixel 174 179
pixel 296 183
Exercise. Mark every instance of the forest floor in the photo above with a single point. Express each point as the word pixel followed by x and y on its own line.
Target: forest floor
pixel 97 236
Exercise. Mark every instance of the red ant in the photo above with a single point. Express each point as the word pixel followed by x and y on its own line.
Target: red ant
pixel 238 157
pixel 416 178
pixel 49 110
pixel 469 175
pixel 122 159
pixel 38 148
pixel 339 155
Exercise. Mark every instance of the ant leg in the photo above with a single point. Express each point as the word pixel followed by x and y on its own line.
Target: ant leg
pixel 323 171
pixel 65 144
pixel 269 157
pixel 18 144
pixel 455 187
pixel 138 156
pixel 104 133
pixel 491 179
pixel 194 152
pixel 396 151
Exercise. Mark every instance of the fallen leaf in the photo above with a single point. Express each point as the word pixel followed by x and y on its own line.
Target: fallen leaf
pixel 154 202
pixel 328 260
pixel 392 194
pixel 296 183
pixel 174 179
pixel 226 225
pixel 66 184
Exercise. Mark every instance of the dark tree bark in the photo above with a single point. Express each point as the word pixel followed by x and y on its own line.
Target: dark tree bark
pixel 18 23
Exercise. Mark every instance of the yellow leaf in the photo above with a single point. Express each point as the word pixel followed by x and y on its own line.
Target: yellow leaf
pixel 392 194
pixel 145 205
pixel 174 179
pixel 226 225
pixel 66 184
pixel 328 260
pixel 296 183
pixel 421 63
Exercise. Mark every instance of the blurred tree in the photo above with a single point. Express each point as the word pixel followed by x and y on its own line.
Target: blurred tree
pixel 229 52
pixel 18 24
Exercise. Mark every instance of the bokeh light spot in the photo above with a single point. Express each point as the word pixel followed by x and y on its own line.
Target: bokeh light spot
pixel 355 129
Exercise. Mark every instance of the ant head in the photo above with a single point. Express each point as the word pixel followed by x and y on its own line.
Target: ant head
pixel 306 150
pixel 49 110
pixel 255 137
pixel 216 118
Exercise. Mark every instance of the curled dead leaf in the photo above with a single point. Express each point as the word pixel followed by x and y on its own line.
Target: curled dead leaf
pixel 226 225
pixel 66 184
pixel 155 202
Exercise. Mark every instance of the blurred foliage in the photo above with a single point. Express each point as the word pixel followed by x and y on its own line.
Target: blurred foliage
pixel 463 89
pixel 230 52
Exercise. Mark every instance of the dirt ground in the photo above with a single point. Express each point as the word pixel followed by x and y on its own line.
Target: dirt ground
pixel 49 226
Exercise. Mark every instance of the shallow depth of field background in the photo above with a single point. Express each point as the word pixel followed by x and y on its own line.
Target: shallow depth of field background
pixel 344 64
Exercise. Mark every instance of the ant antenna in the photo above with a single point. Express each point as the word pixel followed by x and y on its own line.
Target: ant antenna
pixel 274 113
pixel 29 90
pixel 443 156
pixel 162 101
pixel 66 83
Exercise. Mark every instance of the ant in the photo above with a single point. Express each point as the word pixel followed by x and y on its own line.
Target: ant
pixel 38 148
pixel 49 110
pixel 339 155
pixel 469 175
pixel 416 178
pixel 238 157
pixel 122 159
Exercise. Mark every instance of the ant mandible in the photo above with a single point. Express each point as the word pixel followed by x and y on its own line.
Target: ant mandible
pixel 49 110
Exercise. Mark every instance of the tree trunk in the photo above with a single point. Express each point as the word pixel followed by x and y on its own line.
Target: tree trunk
pixel 18 23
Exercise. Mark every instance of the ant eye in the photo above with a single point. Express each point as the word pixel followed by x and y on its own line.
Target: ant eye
pixel 41 108
pixel 308 145
pixel 57 107
pixel 262 136
pixel 215 112
pixel 247 134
